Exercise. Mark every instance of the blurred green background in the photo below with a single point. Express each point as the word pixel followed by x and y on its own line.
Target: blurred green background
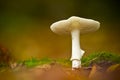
pixel 24 26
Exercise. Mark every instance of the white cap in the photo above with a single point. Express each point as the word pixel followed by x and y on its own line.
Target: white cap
pixel 72 23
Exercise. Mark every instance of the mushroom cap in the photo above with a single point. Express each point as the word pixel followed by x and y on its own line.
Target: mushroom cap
pixel 73 23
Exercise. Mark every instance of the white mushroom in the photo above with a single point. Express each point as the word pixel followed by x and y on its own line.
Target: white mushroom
pixel 75 26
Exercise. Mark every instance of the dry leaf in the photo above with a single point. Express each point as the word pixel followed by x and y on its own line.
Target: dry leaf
pixel 112 68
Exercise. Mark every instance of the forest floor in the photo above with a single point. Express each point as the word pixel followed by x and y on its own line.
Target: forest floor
pixel 95 67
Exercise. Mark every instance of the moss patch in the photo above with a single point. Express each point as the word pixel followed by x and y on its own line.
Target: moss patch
pixel 34 62
pixel 100 57
pixel 86 61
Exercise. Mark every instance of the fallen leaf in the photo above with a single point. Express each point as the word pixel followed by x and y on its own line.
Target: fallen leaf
pixel 112 68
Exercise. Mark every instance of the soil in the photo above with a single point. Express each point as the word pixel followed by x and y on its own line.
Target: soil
pixel 54 71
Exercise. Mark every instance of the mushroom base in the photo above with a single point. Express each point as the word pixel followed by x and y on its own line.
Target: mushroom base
pixel 76 64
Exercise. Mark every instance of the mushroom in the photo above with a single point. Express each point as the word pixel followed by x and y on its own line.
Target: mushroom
pixel 75 26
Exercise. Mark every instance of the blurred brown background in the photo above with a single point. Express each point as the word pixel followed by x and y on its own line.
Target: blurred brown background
pixel 24 26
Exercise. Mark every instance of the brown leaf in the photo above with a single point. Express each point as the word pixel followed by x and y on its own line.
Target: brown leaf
pixel 112 68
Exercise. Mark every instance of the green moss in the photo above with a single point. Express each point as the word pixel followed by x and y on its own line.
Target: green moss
pixel 65 62
pixel 86 61
pixel 100 57
pixel 34 62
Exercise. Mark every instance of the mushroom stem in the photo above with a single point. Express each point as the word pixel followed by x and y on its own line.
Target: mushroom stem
pixel 77 53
